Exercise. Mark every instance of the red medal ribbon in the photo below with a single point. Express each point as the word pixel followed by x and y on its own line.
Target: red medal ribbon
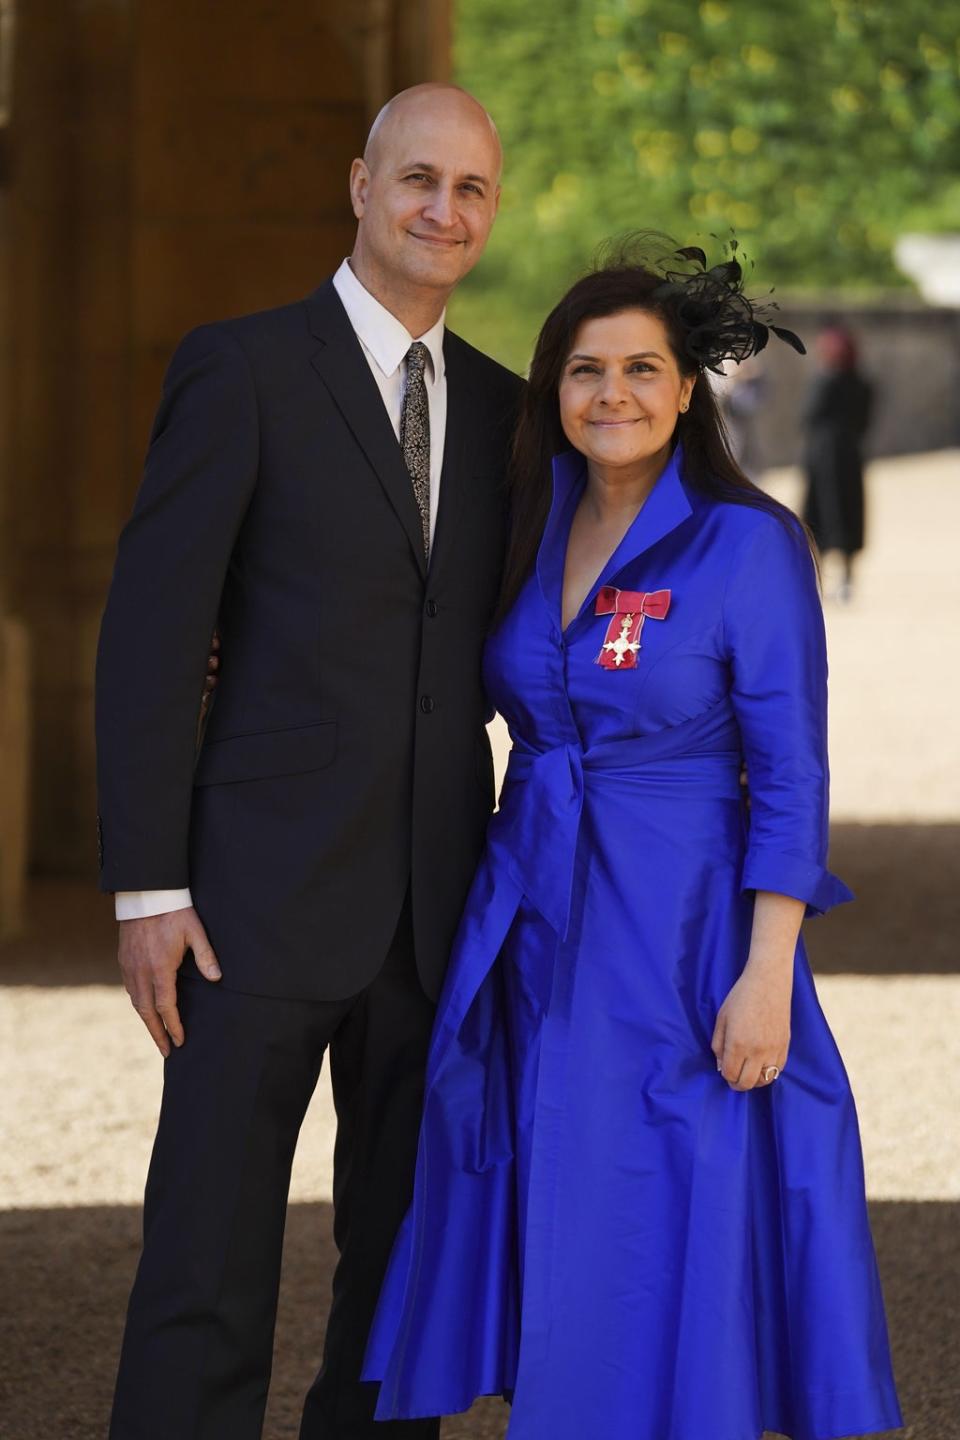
pixel 629 609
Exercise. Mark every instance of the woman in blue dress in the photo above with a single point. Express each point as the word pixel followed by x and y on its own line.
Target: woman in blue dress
pixel 639 1208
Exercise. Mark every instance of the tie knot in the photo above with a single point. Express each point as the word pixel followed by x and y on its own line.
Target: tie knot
pixel 417 358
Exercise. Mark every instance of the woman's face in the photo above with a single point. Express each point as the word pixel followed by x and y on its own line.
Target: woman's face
pixel 621 389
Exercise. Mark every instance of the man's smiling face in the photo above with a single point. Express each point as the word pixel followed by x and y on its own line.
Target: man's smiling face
pixel 427 190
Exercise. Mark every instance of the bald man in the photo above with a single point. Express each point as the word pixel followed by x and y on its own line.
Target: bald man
pixel 324 484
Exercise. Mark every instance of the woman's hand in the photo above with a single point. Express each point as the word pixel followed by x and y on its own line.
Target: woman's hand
pixel 753 1024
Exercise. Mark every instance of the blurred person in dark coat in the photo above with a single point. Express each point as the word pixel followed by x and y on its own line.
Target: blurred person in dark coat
pixel 835 418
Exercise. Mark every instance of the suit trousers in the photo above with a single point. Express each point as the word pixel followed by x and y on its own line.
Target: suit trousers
pixel 198 1344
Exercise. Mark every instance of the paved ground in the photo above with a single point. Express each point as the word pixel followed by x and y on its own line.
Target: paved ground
pixel 80 1083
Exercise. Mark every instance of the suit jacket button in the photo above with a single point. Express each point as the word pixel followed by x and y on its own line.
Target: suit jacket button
pixel 432 609
pixel 427 704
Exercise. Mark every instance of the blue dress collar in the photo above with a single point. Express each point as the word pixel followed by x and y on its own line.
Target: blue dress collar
pixel 666 507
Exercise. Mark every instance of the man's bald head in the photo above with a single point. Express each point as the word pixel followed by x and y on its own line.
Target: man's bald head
pixel 425 194
pixel 438 104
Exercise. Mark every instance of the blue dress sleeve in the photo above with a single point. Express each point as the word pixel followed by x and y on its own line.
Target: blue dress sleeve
pixel 776 647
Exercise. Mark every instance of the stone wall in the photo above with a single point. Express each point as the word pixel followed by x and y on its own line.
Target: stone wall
pixel 910 351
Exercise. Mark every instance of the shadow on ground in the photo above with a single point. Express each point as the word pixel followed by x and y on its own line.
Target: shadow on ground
pixel 905 922
pixel 907 913
pixel 67 1273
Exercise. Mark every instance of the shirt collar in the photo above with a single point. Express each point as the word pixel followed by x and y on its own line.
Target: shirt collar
pixel 380 332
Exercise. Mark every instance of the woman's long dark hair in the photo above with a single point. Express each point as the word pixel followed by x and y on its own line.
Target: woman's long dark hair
pixel 708 464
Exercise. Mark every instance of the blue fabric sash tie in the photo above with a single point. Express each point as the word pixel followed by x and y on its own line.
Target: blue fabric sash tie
pixel 537 827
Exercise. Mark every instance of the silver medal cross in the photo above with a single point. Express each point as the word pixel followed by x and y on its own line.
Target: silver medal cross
pixel 622 646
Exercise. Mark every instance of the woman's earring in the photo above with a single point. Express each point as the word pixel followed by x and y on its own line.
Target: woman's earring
pixel 684 409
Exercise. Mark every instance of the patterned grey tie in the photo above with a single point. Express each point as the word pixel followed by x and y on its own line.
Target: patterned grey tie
pixel 415 434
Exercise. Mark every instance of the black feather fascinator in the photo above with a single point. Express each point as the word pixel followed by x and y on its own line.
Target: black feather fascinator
pixel 718 319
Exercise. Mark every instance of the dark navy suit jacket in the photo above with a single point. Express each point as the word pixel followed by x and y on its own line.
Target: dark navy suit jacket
pixel 345 756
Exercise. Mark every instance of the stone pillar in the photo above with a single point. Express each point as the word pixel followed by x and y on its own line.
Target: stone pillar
pixel 422 42
pixel 397 43
pixel 14 773
pixel 64 395
pixel 243 137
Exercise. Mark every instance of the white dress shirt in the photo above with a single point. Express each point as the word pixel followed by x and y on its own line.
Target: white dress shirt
pixel 385 342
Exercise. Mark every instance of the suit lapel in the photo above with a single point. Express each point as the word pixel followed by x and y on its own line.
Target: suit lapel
pixel 342 366
pixel 454 473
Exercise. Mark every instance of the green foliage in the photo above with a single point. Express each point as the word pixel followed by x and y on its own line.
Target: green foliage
pixel 818 129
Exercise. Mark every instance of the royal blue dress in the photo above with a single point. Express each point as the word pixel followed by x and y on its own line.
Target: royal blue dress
pixel 602 1228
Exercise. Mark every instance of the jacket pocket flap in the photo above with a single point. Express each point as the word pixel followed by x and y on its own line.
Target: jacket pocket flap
pixel 266 753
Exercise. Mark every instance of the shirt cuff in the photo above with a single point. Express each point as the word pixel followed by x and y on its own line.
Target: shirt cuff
pixel 139 904
pixel 790 875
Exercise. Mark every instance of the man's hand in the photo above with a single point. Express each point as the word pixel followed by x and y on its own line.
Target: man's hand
pixel 150 953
